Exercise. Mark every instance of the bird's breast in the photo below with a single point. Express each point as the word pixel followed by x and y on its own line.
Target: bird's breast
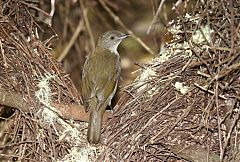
pixel 107 61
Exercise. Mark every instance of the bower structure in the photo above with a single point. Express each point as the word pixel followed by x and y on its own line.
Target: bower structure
pixel 185 103
pixel 35 93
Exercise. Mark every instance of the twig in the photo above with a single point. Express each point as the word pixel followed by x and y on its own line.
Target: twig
pixel 34 7
pixel 85 17
pixel 219 123
pixel 209 91
pixel 203 74
pixel 234 124
pixel 71 42
pixel 183 116
pixel 156 17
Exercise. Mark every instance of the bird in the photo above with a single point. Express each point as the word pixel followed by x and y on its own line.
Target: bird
pixel 100 76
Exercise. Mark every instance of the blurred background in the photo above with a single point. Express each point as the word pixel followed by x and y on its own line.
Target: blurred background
pixel 76 25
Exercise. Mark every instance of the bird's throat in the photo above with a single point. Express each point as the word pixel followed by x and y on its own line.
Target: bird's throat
pixel 113 48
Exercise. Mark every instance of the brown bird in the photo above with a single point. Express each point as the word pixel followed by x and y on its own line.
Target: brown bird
pixel 100 77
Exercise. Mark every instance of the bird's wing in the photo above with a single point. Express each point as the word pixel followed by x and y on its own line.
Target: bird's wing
pixel 105 86
pixel 100 83
pixel 87 82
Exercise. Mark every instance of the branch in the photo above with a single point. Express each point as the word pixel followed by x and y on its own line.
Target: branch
pixel 74 112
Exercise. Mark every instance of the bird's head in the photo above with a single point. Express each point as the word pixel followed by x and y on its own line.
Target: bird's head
pixel 111 39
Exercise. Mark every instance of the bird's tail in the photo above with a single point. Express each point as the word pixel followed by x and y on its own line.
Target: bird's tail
pixel 95 124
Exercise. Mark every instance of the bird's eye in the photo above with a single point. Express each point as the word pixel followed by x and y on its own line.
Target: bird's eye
pixel 112 37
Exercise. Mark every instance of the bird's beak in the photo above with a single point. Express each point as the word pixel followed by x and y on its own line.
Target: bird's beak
pixel 125 36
